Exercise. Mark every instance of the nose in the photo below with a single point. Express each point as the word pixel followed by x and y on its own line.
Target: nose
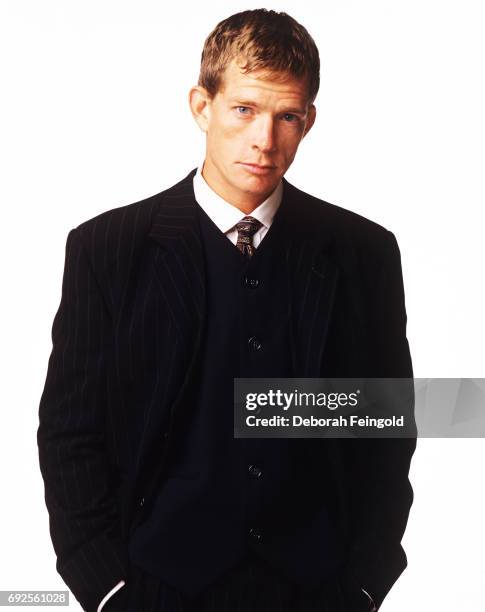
pixel 264 137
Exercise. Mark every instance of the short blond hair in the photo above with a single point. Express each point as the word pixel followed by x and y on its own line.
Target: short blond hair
pixel 261 39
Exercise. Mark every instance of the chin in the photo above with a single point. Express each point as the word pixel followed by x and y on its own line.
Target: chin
pixel 261 182
pixel 261 189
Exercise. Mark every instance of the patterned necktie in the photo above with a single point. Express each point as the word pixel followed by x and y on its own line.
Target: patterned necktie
pixel 245 232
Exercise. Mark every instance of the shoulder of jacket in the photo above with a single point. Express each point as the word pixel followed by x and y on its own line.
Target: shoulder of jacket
pixel 346 225
pixel 113 227
pixel 122 228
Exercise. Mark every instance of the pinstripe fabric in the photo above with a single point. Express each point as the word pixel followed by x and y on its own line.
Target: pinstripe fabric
pixel 71 438
pixel 125 341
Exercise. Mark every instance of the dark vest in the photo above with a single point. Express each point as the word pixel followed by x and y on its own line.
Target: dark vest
pixel 223 495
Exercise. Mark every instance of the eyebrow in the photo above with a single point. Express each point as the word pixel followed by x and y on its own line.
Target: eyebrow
pixel 240 102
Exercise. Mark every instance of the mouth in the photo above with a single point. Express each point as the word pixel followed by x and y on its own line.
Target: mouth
pixel 257 168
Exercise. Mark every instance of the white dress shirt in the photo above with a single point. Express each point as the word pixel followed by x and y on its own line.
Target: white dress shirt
pixel 108 595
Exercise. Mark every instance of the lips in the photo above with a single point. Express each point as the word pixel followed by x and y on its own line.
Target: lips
pixel 265 166
pixel 257 169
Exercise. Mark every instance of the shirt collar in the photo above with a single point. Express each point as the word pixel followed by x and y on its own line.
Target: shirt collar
pixel 225 215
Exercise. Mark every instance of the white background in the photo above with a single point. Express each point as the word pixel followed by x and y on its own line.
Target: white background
pixel 94 115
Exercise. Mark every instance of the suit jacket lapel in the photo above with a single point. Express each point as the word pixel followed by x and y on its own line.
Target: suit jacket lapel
pixel 179 263
pixel 180 274
pixel 313 276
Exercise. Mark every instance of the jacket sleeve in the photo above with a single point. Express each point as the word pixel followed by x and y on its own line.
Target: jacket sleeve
pixel 83 513
pixel 382 495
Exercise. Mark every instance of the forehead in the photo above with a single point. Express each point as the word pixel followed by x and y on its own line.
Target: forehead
pixel 262 83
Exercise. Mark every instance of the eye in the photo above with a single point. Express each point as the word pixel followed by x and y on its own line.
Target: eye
pixel 242 110
pixel 290 118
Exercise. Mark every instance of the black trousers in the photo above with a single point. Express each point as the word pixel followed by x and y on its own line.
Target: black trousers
pixel 250 586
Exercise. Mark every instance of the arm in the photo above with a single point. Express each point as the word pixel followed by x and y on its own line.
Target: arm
pixel 381 495
pixel 83 514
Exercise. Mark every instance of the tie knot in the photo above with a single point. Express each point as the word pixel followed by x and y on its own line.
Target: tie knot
pixel 248 226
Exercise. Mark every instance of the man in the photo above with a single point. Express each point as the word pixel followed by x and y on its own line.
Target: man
pixel 232 272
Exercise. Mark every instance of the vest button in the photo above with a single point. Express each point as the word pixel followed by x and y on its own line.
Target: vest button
pixel 255 535
pixel 254 343
pixel 255 471
pixel 251 283
pixel 142 502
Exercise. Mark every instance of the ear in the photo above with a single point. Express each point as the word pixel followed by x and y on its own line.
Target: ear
pixel 311 116
pixel 200 103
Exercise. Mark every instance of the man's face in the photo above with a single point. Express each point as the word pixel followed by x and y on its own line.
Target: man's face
pixel 253 127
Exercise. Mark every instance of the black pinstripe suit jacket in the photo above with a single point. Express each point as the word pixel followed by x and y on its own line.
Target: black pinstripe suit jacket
pixel 126 338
